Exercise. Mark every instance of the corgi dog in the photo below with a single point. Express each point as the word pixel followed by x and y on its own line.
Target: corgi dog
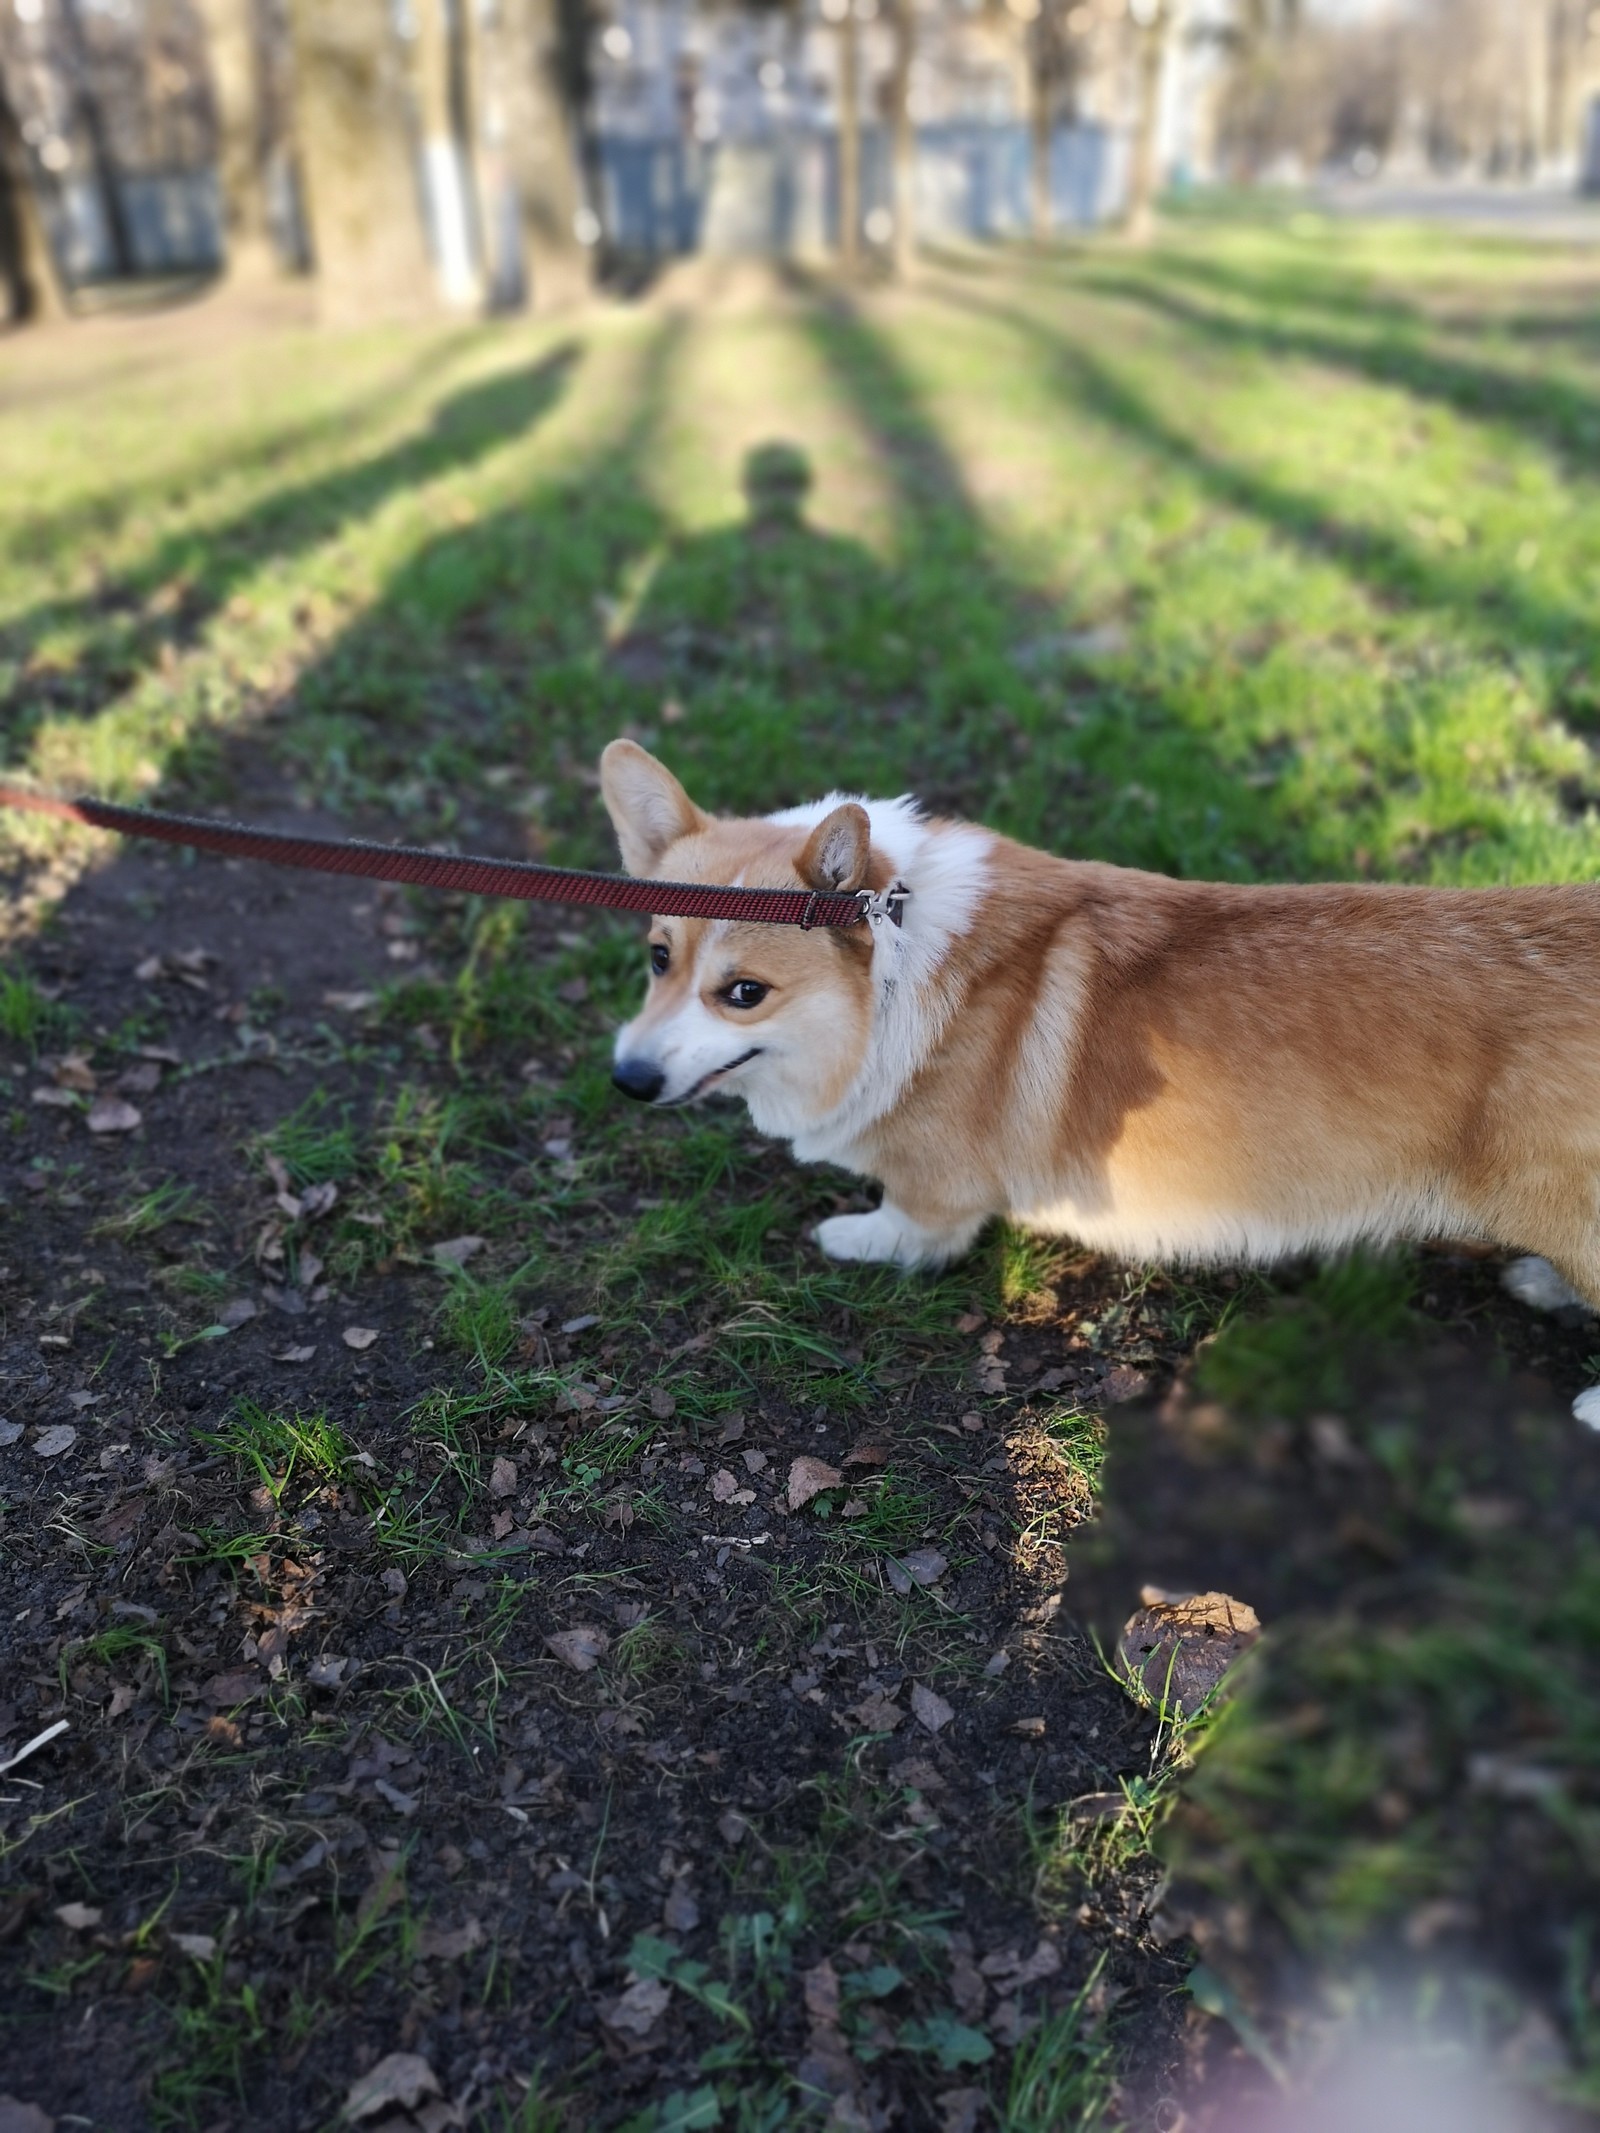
pixel 1162 1070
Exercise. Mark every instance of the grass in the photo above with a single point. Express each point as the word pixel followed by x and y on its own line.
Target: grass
pixel 1268 552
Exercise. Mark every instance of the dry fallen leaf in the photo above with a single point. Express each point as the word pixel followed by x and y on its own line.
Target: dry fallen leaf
pixel 923 1566
pixel 961 2110
pixel 867 1455
pixel 929 1708
pixel 359 1336
pixel 74 1072
pixel 1177 1649
pixel 62 1099
pixel 640 2007
pixel 456 1251
pixel 876 1714
pixel 294 1355
pixel 200 1945
pixel 51 1443
pixel 809 1477
pixel 236 1687
pixel 113 1114
pixel 238 1311
pixel 447 1944
pixel 582 1648
pixel 19 2117
pixel 403 2078
pixel 1010 1971
pixel 503 1477
pixel 79 1917
pixel 680 1913
pixel 1123 1383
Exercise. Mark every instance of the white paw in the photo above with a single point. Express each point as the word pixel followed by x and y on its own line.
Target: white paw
pixel 1535 1282
pixel 887 1237
pixel 1587 1407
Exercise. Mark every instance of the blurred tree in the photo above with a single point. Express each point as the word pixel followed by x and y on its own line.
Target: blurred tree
pixel 903 136
pixel 367 228
pixel 27 266
pixel 91 120
pixel 849 137
pixel 523 48
pixel 1052 78
pixel 449 162
pixel 1153 21
pixel 234 35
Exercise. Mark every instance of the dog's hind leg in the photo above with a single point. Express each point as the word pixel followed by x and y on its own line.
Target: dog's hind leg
pixel 891 1237
pixel 1567 1281
pixel 1535 1282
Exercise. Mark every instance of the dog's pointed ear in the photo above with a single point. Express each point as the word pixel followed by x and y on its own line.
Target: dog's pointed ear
pixel 649 809
pixel 837 851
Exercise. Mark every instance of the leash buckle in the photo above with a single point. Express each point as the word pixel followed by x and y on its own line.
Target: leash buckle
pixel 890 905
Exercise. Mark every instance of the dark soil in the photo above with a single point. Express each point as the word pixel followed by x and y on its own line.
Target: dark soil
pixel 329 1792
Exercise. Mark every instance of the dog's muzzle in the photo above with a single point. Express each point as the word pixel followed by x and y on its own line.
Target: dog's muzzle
pixel 639 1077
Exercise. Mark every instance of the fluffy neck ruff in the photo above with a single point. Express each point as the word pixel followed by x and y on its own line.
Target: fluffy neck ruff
pixel 946 867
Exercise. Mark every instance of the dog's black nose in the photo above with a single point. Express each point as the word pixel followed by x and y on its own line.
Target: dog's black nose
pixel 638 1077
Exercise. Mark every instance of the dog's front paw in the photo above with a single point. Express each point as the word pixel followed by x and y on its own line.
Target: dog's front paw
pixel 1587 1407
pixel 887 1237
pixel 868 1238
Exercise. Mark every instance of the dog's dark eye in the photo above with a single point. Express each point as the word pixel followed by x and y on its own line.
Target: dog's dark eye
pixel 660 957
pixel 746 992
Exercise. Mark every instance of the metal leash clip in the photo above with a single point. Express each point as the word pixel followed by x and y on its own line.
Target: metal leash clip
pixel 891 904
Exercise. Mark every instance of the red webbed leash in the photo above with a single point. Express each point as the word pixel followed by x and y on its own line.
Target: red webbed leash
pixel 477 877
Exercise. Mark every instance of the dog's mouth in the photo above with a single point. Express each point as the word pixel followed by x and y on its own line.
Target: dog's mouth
pixel 705 1081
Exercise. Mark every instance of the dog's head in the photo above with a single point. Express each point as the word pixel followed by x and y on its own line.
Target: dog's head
pixel 778 1015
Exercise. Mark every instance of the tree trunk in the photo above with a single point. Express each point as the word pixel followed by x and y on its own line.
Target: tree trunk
pixel 119 239
pixel 850 142
pixel 1560 144
pixel 903 140
pixel 448 175
pixel 361 183
pixel 1143 175
pixel 541 154
pixel 1041 83
pixel 27 266
pixel 231 47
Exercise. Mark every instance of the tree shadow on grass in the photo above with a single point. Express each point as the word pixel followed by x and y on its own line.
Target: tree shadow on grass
pixel 1474 596
pixel 1553 411
pixel 207 564
pixel 1018 729
pixel 486 651
pixel 254 448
